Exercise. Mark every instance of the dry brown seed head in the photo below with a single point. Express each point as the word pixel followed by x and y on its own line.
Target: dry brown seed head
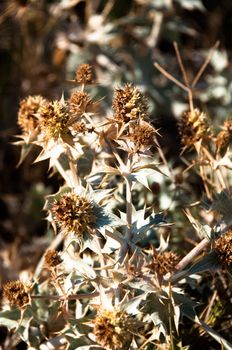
pixel 74 213
pixel 228 125
pixel 54 119
pixel 194 126
pixel 79 103
pixel 113 329
pixel 16 292
pixel 164 262
pixel 142 135
pixel 84 74
pixel 79 127
pixel 129 104
pixel 29 112
pixel 52 258
pixel 224 137
pixel 223 248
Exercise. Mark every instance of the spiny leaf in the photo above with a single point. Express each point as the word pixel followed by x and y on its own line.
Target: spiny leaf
pixel 10 318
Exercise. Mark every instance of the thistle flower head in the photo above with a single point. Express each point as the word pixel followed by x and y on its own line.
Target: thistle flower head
pixel 52 258
pixel 54 119
pixel 194 126
pixel 225 135
pixel 84 74
pixel 223 248
pixel 113 329
pixel 16 292
pixel 79 103
pixel 79 127
pixel 27 115
pixel 129 104
pixel 74 213
pixel 142 136
pixel 164 262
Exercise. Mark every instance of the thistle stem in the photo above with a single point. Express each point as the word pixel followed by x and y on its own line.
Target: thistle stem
pixel 128 208
pixel 69 297
pixel 192 254
pixel 73 169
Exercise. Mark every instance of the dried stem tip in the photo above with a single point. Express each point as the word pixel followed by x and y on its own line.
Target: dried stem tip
pixel 194 126
pixel 129 104
pixel 28 113
pixel 84 74
pixel 16 292
pixel 223 248
pixel 113 329
pixel 74 213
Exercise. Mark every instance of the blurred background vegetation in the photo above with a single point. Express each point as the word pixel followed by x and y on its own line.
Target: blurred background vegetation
pixel 41 44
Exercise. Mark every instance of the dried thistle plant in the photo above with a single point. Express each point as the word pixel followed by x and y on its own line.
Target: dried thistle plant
pixel 74 213
pixel 106 221
pixel 114 329
pixel 84 74
pixel 16 293
pixel 164 263
pixel 52 258
pixel 129 104
pixel 194 127
pixel 28 114
pixel 54 118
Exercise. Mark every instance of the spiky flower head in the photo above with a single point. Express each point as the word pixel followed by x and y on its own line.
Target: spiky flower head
pixel 79 103
pixel 52 258
pixel 79 127
pixel 17 293
pixel 142 136
pixel 224 136
pixel 28 113
pixel 129 104
pixel 54 119
pixel 74 213
pixel 194 126
pixel 113 329
pixel 164 262
pixel 223 248
pixel 84 74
